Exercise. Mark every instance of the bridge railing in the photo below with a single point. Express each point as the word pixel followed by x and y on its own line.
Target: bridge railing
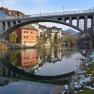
pixel 61 13
pixel 9 17
pixel 51 14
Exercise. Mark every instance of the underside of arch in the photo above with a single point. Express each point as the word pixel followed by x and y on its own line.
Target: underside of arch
pixel 11 29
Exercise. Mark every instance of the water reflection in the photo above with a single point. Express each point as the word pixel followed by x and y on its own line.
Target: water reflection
pixel 14 64
pixel 46 61
pixel 27 58
pixel 31 61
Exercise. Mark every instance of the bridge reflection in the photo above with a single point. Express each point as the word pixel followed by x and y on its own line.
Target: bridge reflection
pixel 23 65
pixel 31 60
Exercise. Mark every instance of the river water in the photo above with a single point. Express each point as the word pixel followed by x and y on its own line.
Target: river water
pixel 43 71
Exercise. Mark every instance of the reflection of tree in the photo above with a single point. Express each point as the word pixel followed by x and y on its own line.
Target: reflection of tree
pixel 2 52
pixel 13 56
pixel 67 52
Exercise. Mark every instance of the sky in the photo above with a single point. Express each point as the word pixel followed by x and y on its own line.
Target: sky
pixel 46 6
pixel 30 7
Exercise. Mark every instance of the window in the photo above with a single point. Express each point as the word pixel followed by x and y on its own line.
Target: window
pixel 36 36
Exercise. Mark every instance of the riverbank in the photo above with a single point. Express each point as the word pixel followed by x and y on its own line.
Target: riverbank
pixel 3 46
pixel 21 46
pixel 86 92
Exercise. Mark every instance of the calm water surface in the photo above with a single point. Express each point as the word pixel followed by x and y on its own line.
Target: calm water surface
pixel 46 62
pixel 54 61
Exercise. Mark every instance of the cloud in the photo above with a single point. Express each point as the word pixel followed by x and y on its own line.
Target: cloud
pixel 24 5
pixel 8 3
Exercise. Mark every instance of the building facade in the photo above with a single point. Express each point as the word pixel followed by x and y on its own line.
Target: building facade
pixel 27 37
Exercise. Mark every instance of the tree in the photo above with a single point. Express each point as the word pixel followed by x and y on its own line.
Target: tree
pixel 12 37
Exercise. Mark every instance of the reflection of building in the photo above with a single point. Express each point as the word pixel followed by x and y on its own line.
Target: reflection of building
pixel 27 37
pixel 27 58
pixel 51 55
pixel 56 54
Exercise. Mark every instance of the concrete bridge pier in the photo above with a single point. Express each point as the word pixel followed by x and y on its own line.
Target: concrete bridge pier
pixel 70 20
pixel 2 27
pixel 11 23
pixel 85 23
pixel 6 26
pixel 92 24
pixel 77 22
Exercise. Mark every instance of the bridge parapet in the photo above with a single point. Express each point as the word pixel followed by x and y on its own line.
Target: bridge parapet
pixel 62 13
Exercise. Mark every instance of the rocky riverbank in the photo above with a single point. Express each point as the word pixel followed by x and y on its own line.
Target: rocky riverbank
pixel 3 46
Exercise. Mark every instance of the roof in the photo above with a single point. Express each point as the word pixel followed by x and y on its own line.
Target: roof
pixel 28 28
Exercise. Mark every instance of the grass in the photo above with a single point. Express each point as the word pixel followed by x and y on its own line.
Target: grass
pixel 86 92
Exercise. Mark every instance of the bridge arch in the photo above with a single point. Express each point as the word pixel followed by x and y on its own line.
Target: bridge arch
pixel 11 29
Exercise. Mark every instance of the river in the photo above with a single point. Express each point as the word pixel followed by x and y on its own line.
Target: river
pixel 42 71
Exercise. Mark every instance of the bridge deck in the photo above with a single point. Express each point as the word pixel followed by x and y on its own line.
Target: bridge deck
pixel 64 13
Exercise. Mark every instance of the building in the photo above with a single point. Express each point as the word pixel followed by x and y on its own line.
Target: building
pixel 27 37
pixel 56 34
pixel 7 12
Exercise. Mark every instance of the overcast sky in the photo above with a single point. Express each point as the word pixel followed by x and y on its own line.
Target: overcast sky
pixel 37 6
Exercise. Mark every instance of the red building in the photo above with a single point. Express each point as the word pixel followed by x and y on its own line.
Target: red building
pixel 27 37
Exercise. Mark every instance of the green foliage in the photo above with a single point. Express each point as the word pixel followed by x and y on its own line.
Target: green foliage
pixel 12 37
pixel 86 92
pixel 70 38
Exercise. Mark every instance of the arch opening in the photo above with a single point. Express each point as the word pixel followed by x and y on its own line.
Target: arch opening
pixel 11 29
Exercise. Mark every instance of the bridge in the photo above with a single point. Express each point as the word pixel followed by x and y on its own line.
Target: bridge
pixel 69 18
